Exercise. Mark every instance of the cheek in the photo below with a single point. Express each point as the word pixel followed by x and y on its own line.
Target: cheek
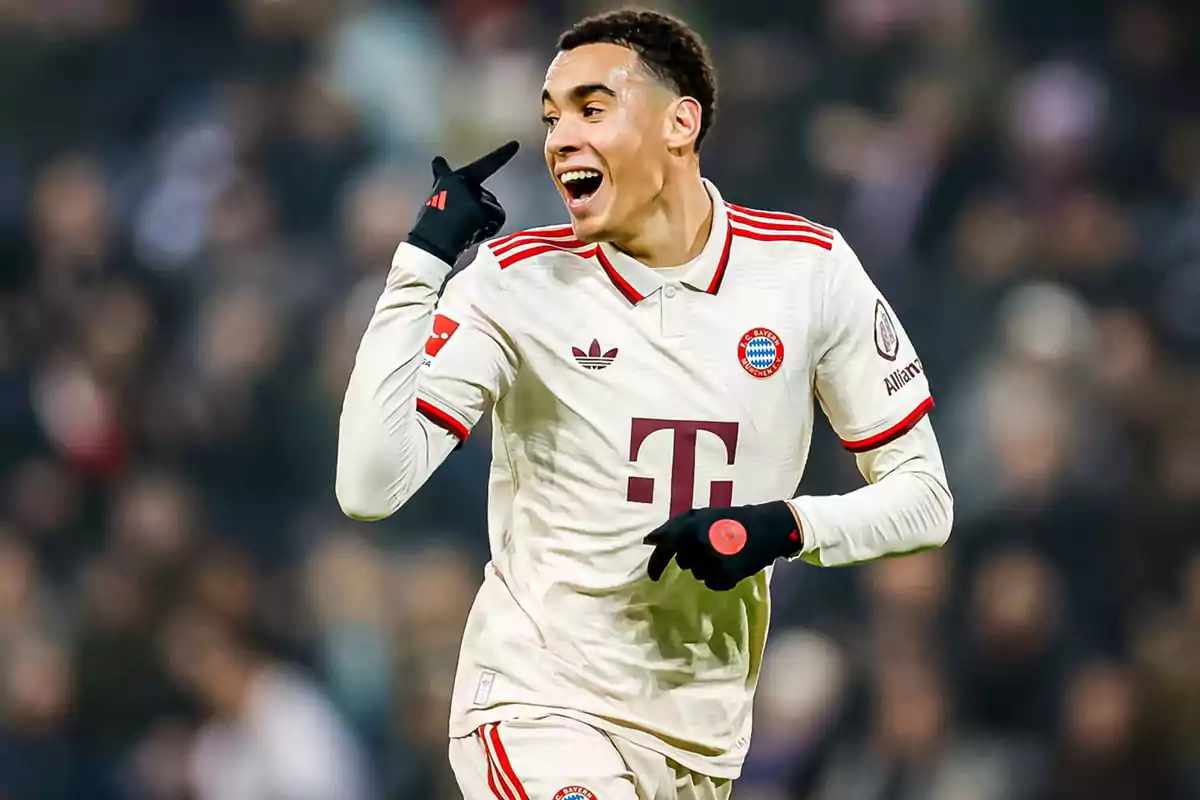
pixel 624 151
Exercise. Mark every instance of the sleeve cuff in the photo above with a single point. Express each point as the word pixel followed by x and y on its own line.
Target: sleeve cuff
pixel 410 260
pixel 810 535
pixel 891 434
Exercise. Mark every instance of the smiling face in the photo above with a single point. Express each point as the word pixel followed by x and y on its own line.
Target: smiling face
pixel 610 131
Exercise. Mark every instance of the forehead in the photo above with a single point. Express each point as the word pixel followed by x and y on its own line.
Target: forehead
pixel 612 65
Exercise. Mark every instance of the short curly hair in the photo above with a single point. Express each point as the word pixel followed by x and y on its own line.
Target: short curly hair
pixel 666 46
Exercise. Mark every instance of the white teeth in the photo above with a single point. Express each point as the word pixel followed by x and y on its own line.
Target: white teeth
pixel 578 175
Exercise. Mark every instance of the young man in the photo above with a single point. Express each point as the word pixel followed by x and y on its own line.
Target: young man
pixel 660 354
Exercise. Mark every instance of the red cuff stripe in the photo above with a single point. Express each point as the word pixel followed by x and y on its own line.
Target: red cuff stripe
pixel 891 434
pixel 442 419
pixel 506 765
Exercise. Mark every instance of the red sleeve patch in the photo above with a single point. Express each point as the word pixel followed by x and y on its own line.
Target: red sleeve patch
pixel 443 329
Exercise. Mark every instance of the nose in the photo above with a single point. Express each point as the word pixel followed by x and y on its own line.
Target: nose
pixel 563 139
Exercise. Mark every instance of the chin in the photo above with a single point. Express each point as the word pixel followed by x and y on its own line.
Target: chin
pixel 592 220
pixel 588 230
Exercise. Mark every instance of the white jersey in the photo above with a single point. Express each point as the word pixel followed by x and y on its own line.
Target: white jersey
pixel 621 396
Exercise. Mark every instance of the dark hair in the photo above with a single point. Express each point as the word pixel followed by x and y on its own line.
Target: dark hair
pixel 670 50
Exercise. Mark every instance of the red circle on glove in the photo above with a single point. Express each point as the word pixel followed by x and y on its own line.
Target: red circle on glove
pixel 727 536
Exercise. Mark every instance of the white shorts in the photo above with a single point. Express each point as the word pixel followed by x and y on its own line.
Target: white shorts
pixel 559 758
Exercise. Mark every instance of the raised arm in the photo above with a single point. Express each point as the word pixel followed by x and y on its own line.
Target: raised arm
pixel 426 370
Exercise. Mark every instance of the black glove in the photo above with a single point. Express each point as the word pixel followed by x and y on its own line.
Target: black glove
pixel 721 546
pixel 460 212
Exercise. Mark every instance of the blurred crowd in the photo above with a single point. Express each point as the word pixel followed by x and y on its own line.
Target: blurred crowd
pixel 199 200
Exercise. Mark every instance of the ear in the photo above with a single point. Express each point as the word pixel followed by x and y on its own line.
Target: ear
pixel 683 123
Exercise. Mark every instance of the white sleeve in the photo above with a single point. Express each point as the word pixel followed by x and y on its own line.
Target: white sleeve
pixel 906 505
pixel 425 372
pixel 872 387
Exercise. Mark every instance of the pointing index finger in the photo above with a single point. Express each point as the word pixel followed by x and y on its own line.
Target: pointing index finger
pixel 486 166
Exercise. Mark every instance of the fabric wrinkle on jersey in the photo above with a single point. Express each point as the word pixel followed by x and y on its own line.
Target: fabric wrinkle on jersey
pixel 587 461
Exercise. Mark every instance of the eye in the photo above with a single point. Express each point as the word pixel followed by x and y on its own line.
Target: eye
pixel 548 121
pixel 591 111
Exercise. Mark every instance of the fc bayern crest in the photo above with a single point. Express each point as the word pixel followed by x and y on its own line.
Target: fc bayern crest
pixel 574 793
pixel 761 352
pixel 886 340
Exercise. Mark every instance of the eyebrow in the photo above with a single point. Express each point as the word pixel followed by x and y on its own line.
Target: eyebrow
pixel 583 91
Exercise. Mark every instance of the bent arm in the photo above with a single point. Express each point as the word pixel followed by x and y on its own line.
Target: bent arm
pixel 386 449
pixel 906 506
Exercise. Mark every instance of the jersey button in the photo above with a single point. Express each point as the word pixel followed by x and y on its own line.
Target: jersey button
pixel 670 291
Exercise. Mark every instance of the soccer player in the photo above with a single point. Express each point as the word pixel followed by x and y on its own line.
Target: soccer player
pixel 650 371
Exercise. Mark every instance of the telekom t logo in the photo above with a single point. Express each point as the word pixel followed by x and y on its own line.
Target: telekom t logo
pixel 683 461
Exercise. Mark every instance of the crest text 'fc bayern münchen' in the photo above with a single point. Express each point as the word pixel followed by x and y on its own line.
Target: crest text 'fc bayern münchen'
pixel 760 352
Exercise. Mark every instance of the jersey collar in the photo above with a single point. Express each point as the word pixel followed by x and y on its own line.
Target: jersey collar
pixel 636 281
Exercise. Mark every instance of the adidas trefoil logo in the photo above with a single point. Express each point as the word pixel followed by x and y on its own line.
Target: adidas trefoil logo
pixel 592 359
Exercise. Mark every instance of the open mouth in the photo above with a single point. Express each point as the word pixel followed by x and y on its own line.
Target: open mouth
pixel 581 185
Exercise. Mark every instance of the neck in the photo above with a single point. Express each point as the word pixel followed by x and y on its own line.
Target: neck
pixel 676 228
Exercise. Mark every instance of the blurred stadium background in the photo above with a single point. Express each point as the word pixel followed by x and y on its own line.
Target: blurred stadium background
pixel 198 203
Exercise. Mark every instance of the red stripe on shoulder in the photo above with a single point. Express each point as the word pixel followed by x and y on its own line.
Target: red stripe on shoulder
pixel 442 419
pixel 787 236
pixel 533 242
pixel 537 249
pixel 782 216
pixel 550 232
pixel 508 247
pixel 790 227
pixel 893 433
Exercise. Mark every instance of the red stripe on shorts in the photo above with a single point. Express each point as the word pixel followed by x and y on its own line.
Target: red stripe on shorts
pixel 498 788
pixel 505 765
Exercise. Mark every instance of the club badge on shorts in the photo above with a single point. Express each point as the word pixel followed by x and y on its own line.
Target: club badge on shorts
pixel 574 793
pixel 760 352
